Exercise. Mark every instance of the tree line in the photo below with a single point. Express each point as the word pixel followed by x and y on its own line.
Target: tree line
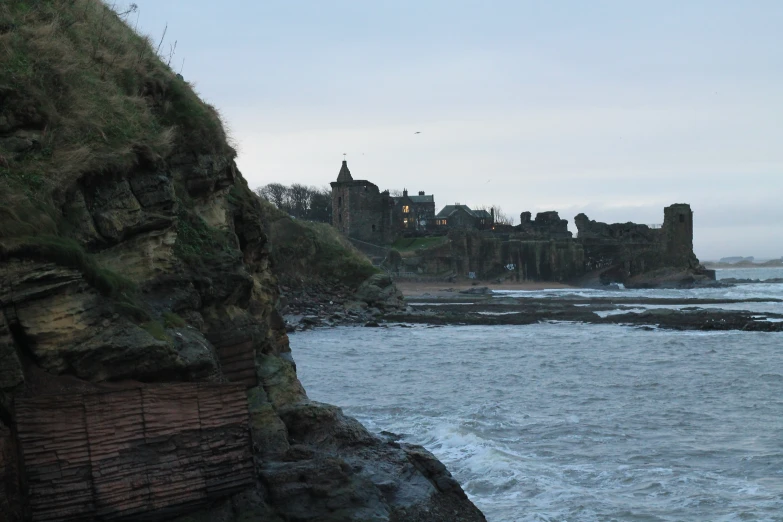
pixel 300 201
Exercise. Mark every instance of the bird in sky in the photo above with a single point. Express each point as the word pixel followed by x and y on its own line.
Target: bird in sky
pixel 417 132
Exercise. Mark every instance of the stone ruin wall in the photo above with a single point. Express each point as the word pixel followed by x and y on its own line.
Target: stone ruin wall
pixel 134 454
pixel 543 250
pixel 362 207
pixel 546 226
pixel 632 249
pixel 542 260
pixel 677 235
pixel 491 257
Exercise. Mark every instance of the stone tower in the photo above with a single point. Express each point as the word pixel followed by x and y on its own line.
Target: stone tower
pixel 359 210
pixel 677 235
pixel 341 189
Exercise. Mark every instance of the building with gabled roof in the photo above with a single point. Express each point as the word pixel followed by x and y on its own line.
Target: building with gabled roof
pixel 361 211
pixel 414 212
pixel 462 216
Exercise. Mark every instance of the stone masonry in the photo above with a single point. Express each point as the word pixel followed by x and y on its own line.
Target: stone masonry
pixel 360 210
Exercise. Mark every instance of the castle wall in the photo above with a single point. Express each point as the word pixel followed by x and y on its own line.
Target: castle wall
pixel 546 226
pixel 540 250
pixel 677 235
pixel 489 257
pixel 627 250
pixel 543 260
pixel 362 212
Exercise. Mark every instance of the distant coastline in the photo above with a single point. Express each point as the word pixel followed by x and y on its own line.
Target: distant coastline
pixel 772 263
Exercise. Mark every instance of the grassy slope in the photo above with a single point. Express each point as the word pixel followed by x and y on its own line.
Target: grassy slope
pixel 92 96
pixel 416 243
pixel 306 250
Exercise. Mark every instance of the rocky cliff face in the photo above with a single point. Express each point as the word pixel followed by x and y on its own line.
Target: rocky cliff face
pixel 209 316
pixel 206 294
pixel 145 371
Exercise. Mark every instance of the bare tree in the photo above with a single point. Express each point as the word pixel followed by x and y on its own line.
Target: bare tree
pixel 501 218
pixel 275 193
pixel 300 201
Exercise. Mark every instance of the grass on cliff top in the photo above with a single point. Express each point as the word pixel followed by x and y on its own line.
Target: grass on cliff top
pixel 406 244
pixel 305 250
pixel 92 96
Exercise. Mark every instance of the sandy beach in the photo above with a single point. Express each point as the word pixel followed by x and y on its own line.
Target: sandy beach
pixel 436 289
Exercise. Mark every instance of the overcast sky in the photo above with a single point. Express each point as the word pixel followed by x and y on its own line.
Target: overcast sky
pixel 612 108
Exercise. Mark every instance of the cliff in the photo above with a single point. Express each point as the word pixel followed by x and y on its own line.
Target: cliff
pixel 145 372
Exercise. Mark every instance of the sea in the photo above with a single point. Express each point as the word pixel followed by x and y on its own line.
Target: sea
pixel 563 421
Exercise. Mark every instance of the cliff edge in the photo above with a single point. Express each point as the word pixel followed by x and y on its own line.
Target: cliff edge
pixel 145 372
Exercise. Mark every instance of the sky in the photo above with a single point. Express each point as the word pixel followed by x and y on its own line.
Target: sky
pixel 612 108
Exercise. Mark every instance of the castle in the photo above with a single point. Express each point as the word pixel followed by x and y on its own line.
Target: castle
pixel 361 211
pixel 537 249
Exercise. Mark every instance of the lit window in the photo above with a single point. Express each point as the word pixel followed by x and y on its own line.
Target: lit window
pixel 406 209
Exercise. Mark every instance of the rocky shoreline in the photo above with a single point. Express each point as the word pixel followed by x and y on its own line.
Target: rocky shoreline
pixel 308 305
pixel 479 306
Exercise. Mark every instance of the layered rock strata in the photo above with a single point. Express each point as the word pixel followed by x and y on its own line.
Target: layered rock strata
pixel 146 452
pixel 74 353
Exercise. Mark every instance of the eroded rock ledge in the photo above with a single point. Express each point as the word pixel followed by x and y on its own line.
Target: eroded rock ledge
pixel 126 371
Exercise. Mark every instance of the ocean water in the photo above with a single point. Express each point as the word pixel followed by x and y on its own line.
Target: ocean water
pixel 750 273
pixel 572 422
pixel 769 295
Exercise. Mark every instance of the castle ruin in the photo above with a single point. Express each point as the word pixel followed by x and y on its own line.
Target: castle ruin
pixel 537 249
